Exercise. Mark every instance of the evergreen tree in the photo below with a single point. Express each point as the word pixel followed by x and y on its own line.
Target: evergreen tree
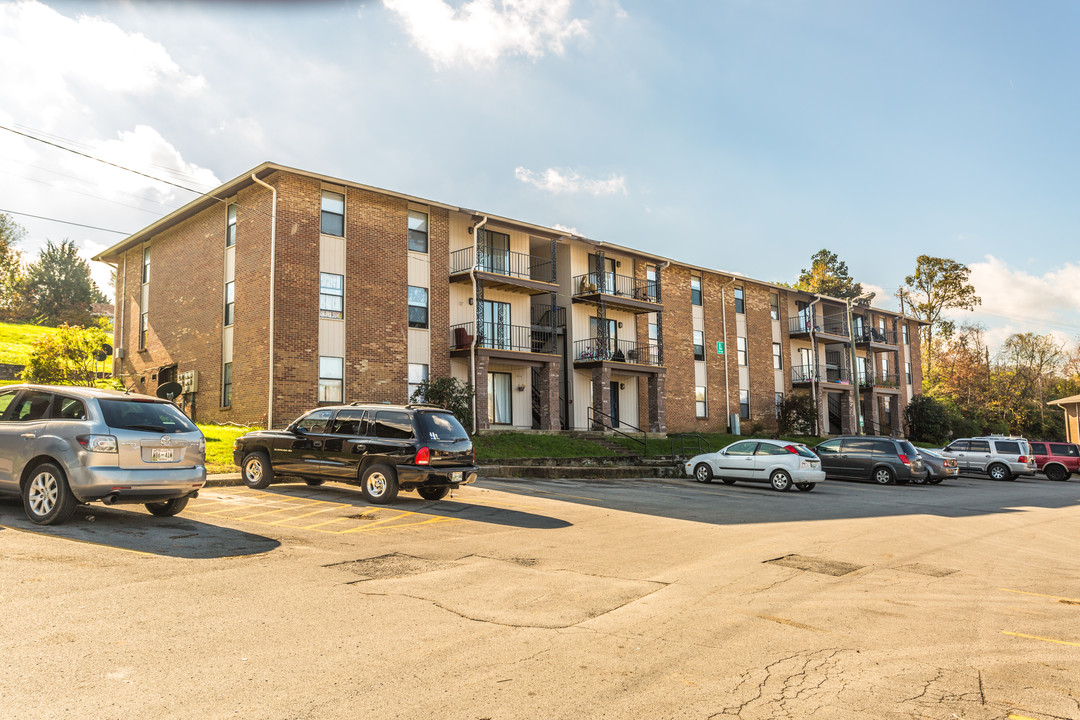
pixel 58 286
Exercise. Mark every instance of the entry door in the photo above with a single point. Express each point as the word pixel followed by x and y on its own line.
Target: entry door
pixel 806 363
pixel 500 386
pixel 613 389
pixel 496 325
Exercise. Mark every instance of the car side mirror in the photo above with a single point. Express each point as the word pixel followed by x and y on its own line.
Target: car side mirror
pixel 298 431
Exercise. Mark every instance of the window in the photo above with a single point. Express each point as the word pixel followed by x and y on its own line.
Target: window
pixel 779 403
pixel 654 340
pixel 1007 447
pixel 230 302
pixel 418 307
pixel 349 422
pixel 904 332
pixel 740 300
pixel 744 404
pixel 393 425
pixel 777 357
pixel 331 379
pixel 230 226
pixel 829 447
pixel 68 409
pixel 699 345
pixel 652 286
pixel 701 408
pixel 695 290
pixel 144 323
pixel 740 350
pixel 142 416
pixel 418 231
pixel 5 400
pixel 333 213
pixel 907 372
pixel 331 295
pixel 979 446
pixel 146 264
pixel 774 306
pixel 226 385
pixel 315 422
pixel 418 373
pixel 746 447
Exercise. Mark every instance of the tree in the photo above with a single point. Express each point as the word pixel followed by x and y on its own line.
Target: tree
pixel 449 393
pixel 939 284
pixel 59 288
pixel 66 357
pixel 828 275
pixel 795 415
pixel 11 275
pixel 927 420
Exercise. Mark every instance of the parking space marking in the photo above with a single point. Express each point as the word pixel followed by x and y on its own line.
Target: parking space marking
pixel 1052 597
pixel 1044 639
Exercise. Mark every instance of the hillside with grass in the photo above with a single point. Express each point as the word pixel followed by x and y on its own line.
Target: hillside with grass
pixel 17 341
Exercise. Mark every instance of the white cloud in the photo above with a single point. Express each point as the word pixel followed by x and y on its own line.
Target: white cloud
pixel 566 229
pixel 479 32
pixel 557 181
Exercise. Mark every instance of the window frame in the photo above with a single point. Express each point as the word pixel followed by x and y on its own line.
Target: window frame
pixel 742 354
pixel 226 384
pixel 697 297
pixel 777 356
pixel 328 382
pixel 426 307
pixel 744 404
pixel 774 305
pixel 328 312
pixel 144 326
pixel 324 214
pixel 146 264
pixel 701 401
pixel 418 233
pixel 413 384
pixel 229 316
pixel 699 348
pixel 739 293
pixel 230 225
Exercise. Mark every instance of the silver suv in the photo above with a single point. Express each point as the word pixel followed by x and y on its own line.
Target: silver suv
pixel 1000 457
pixel 61 446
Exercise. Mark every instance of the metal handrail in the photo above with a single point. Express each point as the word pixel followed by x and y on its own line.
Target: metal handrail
pixel 591 414
pixel 683 438
pixel 504 262
pixel 627 351
pixel 621 285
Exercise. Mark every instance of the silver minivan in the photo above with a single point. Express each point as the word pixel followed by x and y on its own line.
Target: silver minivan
pixel 1000 457
pixel 61 446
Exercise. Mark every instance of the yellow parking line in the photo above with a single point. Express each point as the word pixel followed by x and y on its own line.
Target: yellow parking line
pixel 1053 597
pixel 1020 717
pixel 1036 637
pixel 379 522
pixel 366 528
pixel 308 527
pixel 271 512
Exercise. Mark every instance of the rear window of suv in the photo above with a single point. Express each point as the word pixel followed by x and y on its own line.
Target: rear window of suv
pixel 1008 447
pixel 908 449
pixel 441 426
pixel 1064 449
pixel 146 416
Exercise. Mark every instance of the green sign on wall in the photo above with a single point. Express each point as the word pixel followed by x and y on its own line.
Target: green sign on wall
pixel 719 348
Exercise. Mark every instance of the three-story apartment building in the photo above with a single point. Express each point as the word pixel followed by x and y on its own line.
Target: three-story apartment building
pixel 284 288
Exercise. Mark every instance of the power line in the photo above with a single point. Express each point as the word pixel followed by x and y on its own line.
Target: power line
pixel 65 222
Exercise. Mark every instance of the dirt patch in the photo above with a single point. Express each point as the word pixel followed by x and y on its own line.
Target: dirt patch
pixel 928 570
pixel 817 565
pixel 385 567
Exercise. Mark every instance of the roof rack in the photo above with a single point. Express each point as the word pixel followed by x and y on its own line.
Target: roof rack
pixel 424 405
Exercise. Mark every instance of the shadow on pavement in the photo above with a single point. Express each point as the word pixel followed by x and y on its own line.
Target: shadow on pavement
pixel 410 502
pixel 132 528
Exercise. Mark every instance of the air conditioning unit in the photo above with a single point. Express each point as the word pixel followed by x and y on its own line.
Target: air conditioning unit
pixel 189 381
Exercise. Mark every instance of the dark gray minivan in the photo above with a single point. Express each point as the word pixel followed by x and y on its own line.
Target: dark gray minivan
pixel 881 459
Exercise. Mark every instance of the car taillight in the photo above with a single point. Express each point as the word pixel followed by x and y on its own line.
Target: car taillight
pixel 1022 458
pixel 791 449
pixel 473 452
pixel 423 456
pixel 904 459
pixel 98 443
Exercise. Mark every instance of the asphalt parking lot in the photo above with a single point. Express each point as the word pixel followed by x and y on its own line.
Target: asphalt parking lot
pixel 526 599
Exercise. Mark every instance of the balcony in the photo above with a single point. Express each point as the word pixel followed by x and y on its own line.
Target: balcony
pixel 505 270
pixel 879 381
pixel 806 374
pixel 622 291
pixel 874 336
pixel 595 350
pixel 805 323
pixel 509 338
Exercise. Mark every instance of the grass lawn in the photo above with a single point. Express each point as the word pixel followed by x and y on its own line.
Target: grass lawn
pixel 219 442
pixel 16 341
pixel 687 445
pixel 516 445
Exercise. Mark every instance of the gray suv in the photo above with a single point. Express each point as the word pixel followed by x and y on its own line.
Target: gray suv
pixel 62 446
pixel 1000 457
pixel 881 459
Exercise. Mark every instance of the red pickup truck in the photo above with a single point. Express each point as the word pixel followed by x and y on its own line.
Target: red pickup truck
pixel 1056 460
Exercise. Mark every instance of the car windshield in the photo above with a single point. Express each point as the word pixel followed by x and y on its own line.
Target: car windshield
pixel 145 415
pixel 441 426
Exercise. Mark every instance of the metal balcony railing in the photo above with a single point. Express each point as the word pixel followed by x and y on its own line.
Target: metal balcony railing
pixel 875 335
pixel 628 351
pixel 504 262
pixel 886 380
pixel 544 315
pixel 620 285
pixel 495 336
pixel 801 374
pixel 805 323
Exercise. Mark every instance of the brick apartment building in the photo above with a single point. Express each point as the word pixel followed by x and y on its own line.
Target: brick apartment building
pixel 350 292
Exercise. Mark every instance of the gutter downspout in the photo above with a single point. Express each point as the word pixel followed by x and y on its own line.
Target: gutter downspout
pixel 476 330
pixel 723 322
pixel 814 348
pixel 273 259
pixel 118 335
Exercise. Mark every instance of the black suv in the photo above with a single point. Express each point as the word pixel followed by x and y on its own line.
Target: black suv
pixel 383 448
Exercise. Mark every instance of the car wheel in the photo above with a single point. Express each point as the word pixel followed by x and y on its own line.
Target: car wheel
pixel 703 473
pixel 780 480
pixel 728 481
pixel 167 508
pixel 1056 472
pixel 379 485
pixel 935 481
pixel 314 482
pixel 47 499
pixel 256 471
pixel 884 476
pixel 997 471
pixel 433 493
pixel 806 487
pixel 919 480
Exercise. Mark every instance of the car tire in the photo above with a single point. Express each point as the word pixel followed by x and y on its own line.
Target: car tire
pixel 314 482
pixel 780 480
pixel 935 481
pixel 379 485
pixel 728 481
pixel 47 499
pixel 167 508
pixel 703 473
pixel 884 476
pixel 997 471
pixel 433 493
pixel 256 471
pixel 920 480
pixel 1056 473
pixel 806 487
pixel 903 481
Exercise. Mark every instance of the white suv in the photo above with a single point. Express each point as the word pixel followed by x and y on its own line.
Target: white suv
pixel 1000 457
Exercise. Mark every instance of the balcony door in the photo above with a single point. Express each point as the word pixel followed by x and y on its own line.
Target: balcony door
pixel 500 387
pixel 607 271
pixel 497 253
pixel 612 337
pixel 806 370
pixel 495 329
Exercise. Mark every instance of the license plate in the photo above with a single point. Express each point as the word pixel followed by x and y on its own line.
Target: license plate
pixel 161 454
pixel 455 476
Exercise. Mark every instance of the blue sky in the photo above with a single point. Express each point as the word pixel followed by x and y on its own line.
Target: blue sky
pixel 741 136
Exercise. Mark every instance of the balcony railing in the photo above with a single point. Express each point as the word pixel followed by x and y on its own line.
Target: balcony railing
pixel 495 336
pixel 628 351
pixel 504 262
pixel 805 322
pixel 543 315
pixel 874 335
pixel 887 380
pixel 620 285
pixel 801 374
